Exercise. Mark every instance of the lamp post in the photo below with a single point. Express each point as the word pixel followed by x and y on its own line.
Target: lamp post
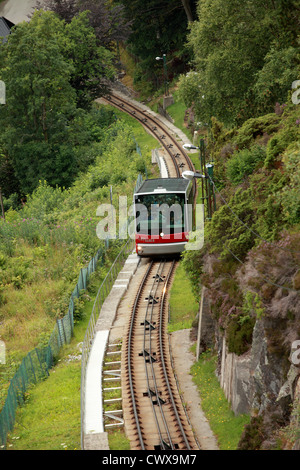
pixel 189 175
pixel 190 147
pixel 164 58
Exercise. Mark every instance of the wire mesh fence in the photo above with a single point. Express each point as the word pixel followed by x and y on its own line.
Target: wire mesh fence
pixel 36 365
pixel 102 293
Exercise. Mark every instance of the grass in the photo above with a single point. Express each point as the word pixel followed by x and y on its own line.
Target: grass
pixel 183 306
pixel 54 422
pixel 49 270
pixel 223 422
pixel 50 420
pixel 177 112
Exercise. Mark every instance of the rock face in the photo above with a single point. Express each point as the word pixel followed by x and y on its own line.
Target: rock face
pixel 256 380
pixel 256 326
pixel 262 382
pixel 235 379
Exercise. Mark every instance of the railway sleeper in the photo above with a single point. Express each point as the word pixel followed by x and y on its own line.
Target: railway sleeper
pixel 116 416
pixel 114 373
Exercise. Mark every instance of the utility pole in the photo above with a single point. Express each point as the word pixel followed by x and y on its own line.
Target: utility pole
pixel 166 85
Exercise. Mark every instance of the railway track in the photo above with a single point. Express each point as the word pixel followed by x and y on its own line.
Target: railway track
pixel 177 156
pixel 153 412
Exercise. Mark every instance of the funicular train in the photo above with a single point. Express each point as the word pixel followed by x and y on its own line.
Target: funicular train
pixel 164 216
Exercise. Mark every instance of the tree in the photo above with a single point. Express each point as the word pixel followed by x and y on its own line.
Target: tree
pixel 92 64
pixel 65 9
pixel 40 99
pixel 231 43
pixel 188 10
pixel 158 27
pixel 49 68
pixel 107 19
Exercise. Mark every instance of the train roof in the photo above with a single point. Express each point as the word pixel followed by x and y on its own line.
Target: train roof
pixel 163 184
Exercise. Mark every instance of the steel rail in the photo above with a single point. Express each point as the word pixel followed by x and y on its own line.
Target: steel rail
pixel 163 359
pixel 160 133
pixel 130 335
pixel 156 126
pixel 162 414
pixel 121 104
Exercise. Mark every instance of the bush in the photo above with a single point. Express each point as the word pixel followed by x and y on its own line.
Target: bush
pixel 256 127
pixel 43 201
pixel 243 163
pixel 239 334
pixel 253 435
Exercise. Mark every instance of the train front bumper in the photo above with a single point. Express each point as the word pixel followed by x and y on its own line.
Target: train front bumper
pixel 159 249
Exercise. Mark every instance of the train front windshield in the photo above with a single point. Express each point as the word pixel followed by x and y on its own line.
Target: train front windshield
pixel 158 214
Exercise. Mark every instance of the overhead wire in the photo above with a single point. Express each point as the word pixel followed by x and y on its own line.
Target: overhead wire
pixel 265 279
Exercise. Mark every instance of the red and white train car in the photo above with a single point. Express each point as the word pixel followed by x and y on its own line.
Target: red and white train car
pixel 164 216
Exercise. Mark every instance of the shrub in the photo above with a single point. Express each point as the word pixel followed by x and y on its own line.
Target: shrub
pixel 44 200
pixel 256 127
pixel 239 334
pixel 253 435
pixel 290 193
pixel 243 163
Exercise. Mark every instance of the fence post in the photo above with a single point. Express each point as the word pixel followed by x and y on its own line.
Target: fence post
pixel 32 366
pixel 199 324
pixel 59 336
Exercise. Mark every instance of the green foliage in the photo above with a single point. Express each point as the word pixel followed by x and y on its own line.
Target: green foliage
pixel 253 434
pixel 255 203
pixel 42 201
pixel 43 65
pixel 225 231
pixel 288 134
pixel 274 79
pixel 192 263
pixel 189 89
pixel 242 71
pixel 253 305
pixel 239 334
pixel 79 42
pixel 152 34
pixel 243 163
pixel 290 194
pixel 256 127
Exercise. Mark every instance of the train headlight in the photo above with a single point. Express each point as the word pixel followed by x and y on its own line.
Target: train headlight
pixel 140 250
pixel 161 234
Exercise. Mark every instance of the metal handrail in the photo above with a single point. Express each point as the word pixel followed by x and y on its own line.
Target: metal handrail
pixel 102 293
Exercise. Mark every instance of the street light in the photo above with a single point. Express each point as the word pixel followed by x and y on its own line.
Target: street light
pixel 164 58
pixel 189 175
pixel 190 147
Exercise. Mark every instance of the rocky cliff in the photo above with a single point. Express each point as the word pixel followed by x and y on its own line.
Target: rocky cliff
pixel 262 378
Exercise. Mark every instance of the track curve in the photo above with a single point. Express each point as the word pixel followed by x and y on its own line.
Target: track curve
pixel 179 158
